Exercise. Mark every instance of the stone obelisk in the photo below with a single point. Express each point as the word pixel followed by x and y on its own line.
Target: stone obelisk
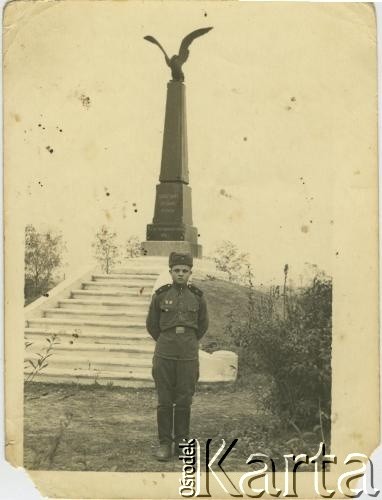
pixel 172 227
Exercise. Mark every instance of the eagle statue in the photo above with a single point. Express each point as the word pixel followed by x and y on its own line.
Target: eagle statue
pixel 176 62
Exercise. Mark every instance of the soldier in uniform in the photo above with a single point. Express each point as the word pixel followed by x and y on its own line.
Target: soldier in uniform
pixel 177 320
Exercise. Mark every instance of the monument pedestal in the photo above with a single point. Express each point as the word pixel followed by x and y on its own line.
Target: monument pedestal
pixel 172 216
pixel 164 248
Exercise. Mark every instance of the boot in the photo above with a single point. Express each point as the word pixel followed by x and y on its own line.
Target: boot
pixel 181 424
pixel 165 426
pixel 164 452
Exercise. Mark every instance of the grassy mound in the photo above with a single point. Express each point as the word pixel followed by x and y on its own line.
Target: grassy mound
pixel 223 299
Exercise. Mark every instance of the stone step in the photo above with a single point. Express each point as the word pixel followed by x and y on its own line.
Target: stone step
pixel 111 294
pixel 101 305
pixel 73 336
pixel 95 315
pixel 143 349
pixel 61 375
pixel 139 270
pixel 125 277
pixel 84 325
pixel 92 360
pixel 119 286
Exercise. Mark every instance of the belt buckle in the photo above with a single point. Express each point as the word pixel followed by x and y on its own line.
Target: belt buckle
pixel 180 329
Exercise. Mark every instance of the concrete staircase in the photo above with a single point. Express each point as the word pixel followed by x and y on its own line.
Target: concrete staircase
pixel 96 325
pixel 99 329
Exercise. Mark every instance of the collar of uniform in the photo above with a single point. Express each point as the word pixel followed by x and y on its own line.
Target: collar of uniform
pixel 179 288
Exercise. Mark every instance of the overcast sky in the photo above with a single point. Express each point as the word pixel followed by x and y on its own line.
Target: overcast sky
pixel 274 96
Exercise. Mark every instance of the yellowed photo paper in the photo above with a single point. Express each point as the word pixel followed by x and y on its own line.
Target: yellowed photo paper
pixel 191 248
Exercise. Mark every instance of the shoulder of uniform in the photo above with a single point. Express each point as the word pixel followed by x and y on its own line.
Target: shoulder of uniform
pixel 194 289
pixel 162 289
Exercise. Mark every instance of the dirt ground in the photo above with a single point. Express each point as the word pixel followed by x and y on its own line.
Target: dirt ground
pixel 71 427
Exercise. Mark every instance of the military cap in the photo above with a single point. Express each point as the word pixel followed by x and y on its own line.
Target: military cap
pixel 184 259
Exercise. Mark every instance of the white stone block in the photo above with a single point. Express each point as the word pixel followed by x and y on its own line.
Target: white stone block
pixel 220 366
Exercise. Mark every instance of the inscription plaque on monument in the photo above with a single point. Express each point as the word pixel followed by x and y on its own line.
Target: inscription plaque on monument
pixel 172 227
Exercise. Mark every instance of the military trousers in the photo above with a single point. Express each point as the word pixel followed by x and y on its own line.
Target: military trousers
pixel 175 382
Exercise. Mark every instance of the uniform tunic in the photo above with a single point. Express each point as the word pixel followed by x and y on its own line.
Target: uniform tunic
pixel 177 306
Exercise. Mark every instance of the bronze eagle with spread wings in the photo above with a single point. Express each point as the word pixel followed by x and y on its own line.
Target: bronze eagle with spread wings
pixel 176 62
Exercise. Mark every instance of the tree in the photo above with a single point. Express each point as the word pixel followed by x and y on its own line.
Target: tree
pixel 229 260
pixel 105 248
pixel 133 247
pixel 43 256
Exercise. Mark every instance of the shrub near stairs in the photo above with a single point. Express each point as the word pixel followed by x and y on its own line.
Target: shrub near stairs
pixel 294 349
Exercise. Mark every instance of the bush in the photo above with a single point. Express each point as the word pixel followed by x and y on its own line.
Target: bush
pixel 289 339
pixel 133 247
pixel 228 259
pixel 105 249
pixel 42 259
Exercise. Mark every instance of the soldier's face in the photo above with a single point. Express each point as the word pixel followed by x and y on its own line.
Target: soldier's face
pixel 180 274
